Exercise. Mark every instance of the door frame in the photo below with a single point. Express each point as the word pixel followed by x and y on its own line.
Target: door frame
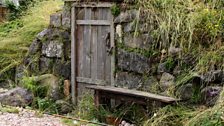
pixel 74 85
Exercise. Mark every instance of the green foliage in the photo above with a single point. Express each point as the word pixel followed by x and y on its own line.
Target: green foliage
pixel 171 116
pixel 16 12
pixel 46 105
pixel 86 109
pixel 17 35
pixel 211 60
pixel 183 23
pixel 115 10
pixel 170 63
pixel 31 84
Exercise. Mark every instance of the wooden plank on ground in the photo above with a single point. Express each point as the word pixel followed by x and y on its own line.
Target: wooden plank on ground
pixel 134 93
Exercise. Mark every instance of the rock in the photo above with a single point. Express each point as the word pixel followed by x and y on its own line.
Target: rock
pixel 127 124
pixel 162 68
pixel 166 81
pixel 52 49
pixel 127 80
pixel 52 82
pixel 20 72
pixel 35 47
pixel 142 41
pixel 131 27
pixel 63 107
pixel 43 34
pixel 2 90
pixel 210 94
pixel 133 62
pixel 123 122
pixel 150 84
pixel 119 30
pixel 216 76
pixel 185 92
pixel 127 16
pixel 177 70
pixel 55 20
pixel 16 97
pixel 62 69
pixel 66 17
pixel 173 51
pixel 46 65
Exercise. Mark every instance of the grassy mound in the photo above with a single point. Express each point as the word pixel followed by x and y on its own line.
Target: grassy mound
pixel 17 35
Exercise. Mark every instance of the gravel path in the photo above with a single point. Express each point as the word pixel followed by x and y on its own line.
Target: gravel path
pixel 28 118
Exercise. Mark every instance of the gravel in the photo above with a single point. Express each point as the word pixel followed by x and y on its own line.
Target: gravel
pixel 28 118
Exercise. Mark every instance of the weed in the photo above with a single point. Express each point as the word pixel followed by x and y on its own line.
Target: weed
pixel 115 10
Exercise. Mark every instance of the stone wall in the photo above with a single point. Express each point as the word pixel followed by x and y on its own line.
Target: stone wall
pixel 138 66
pixel 50 51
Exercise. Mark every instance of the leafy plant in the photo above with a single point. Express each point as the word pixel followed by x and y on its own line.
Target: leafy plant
pixel 115 10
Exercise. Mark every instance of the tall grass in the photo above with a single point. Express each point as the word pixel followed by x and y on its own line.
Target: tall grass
pixel 17 35
pixel 184 23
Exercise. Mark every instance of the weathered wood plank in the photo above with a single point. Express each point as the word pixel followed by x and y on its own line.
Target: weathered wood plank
pixel 134 93
pixel 86 45
pixel 94 4
pixel 93 22
pixel 73 55
pixel 100 62
pixel 90 81
pixel 112 42
pixel 107 49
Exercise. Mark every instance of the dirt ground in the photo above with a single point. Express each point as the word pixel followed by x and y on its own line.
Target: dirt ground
pixel 28 118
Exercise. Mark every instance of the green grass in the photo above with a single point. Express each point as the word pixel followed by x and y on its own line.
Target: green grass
pixel 17 35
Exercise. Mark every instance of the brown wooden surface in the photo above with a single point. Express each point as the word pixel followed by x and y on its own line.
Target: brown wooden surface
pixel 91 62
pixel 133 93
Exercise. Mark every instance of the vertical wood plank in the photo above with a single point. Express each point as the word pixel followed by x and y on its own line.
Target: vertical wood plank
pixel 113 49
pixel 108 55
pixel 99 49
pixel 94 48
pixel 73 55
pixel 86 45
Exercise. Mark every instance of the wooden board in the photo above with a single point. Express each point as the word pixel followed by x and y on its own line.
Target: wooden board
pixel 134 93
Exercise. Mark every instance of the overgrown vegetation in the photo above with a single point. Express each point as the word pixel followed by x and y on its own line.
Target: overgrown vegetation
pixel 17 35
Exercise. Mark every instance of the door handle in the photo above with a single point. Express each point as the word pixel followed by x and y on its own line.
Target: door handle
pixel 109 49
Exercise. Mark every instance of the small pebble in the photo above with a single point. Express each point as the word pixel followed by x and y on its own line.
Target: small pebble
pixel 123 122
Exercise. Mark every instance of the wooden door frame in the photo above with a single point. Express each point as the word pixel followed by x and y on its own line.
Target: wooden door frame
pixel 74 85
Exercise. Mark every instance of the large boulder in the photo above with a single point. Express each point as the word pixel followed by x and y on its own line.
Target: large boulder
pixel 134 62
pixel 62 69
pixel 16 97
pixel 128 80
pixel 53 84
pixel 52 49
pixel 141 41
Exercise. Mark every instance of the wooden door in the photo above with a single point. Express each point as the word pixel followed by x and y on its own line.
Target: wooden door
pixel 92 46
